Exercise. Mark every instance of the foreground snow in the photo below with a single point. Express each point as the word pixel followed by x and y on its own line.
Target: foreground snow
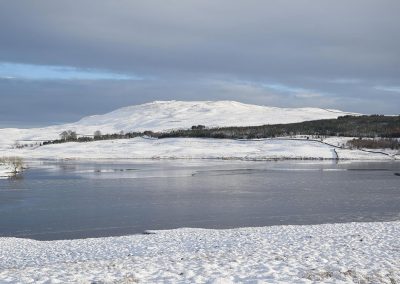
pixel 166 115
pixel 193 148
pixel 339 253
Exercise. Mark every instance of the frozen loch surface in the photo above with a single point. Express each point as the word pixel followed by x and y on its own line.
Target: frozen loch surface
pixel 333 253
pixel 72 199
pixel 53 200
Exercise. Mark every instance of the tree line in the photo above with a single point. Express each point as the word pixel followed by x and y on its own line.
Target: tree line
pixel 351 126
pixel 382 143
pixel 72 136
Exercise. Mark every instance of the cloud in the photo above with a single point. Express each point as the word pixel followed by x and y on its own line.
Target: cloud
pixel 345 81
pixel 45 72
pixel 308 95
pixel 306 52
pixel 294 91
pixel 284 88
pixel 395 89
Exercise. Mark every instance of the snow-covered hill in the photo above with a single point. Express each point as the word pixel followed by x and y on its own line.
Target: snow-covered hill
pixel 165 115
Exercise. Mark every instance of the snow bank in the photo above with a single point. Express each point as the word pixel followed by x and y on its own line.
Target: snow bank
pixel 331 253
pixel 192 148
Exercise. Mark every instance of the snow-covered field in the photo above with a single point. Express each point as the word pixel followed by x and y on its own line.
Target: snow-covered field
pixel 330 253
pixel 193 148
pixel 166 115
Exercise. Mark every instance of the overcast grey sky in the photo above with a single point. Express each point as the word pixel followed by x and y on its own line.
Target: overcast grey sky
pixel 61 60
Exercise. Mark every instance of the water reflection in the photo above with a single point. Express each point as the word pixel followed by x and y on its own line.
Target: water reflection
pixel 73 199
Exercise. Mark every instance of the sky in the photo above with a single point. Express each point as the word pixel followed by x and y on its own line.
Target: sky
pixel 62 60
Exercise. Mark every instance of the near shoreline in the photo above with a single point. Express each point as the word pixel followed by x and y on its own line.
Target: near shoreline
pixel 340 253
pixel 199 148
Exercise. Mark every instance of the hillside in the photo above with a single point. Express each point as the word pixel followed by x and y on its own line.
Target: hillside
pixel 165 115
pixel 195 148
pixel 168 115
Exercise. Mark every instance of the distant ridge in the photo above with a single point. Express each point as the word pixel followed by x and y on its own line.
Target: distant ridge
pixel 167 115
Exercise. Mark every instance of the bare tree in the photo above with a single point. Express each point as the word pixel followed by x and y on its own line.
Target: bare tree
pixel 64 135
pixel 68 135
pixel 16 163
pixel 72 135
pixel 97 134
pixel 17 145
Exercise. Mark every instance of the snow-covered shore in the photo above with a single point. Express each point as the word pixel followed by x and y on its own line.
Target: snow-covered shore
pixel 331 253
pixel 3 171
pixel 193 148
pixel 6 171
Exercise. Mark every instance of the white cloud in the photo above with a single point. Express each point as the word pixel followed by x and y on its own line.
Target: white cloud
pixel 308 95
pixel 50 72
pixel 345 81
pixel 395 89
